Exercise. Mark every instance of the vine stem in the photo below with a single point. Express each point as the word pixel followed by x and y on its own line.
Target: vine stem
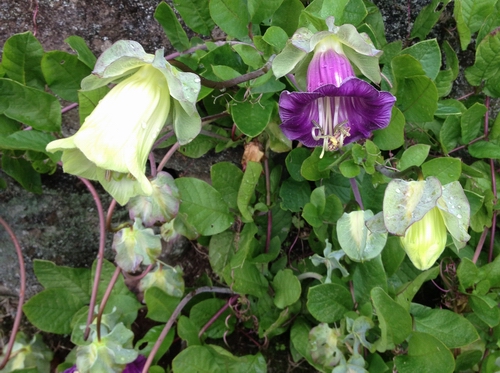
pixel 109 215
pixel 100 254
pixel 176 313
pixel 22 290
pixel 493 182
pixel 69 107
pixel 231 82
pixel 104 300
pixel 228 304
pixel 167 156
pixel 479 246
pixel 204 47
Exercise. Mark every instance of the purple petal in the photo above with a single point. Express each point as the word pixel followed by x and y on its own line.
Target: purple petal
pixel 328 67
pixel 136 366
pixel 365 108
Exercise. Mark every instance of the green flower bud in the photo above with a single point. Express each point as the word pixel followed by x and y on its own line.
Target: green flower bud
pixel 425 240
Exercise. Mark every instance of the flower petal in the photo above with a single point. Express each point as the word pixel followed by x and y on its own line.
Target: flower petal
pixel 365 108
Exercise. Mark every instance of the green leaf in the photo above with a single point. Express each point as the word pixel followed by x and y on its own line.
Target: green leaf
pixel 472 121
pixel 427 18
pixel 211 358
pixel 251 117
pixel 450 133
pixel 486 309
pixel 64 73
pixel 196 15
pixel 22 171
pixel 310 170
pixel 446 169
pixel 470 15
pixel 366 276
pixel 452 329
pixel 299 338
pixel 30 106
pixel 226 179
pixel 487 64
pixel 354 12
pixel 204 206
pixel 391 137
pixel 149 340
pixel 202 312
pixel 262 10
pixel 417 98
pixel 328 302
pixel 349 169
pixel 427 52
pixel 246 279
pixel 425 354
pixel 231 17
pixel 160 305
pixel 188 331
pixel 53 309
pixel 108 269
pixel 294 161
pixel 80 47
pixel 294 194
pixel 21 58
pixel 406 66
pixel 484 149
pixel 166 17
pixel 75 280
pixel 249 55
pixel 247 189
pixel 444 82
pixel 28 140
pixel 287 288
pixel 395 322
pixel 413 156
pixel 275 36
pixel 451 59
pixel 313 210
pixel 287 16
pixel 221 250
pixel 407 292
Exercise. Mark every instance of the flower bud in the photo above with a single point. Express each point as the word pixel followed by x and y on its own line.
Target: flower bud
pixel 425 240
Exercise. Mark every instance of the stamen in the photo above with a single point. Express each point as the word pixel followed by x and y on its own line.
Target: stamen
pixel 330 130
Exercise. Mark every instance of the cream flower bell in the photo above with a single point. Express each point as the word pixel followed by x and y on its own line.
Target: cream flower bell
pixel 113 144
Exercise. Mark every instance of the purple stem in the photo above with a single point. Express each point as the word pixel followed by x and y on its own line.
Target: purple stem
pixel 104 300
pixel 464 146
pixel 479 246
pixel 204 47
pixel 69 107
pixel 22 273
pixel 167 156
pixel 493 182
pixel 152 163
pixel 355 190
pixel 494 219
pixel 100 254
pixel 229 303
pixel 175 314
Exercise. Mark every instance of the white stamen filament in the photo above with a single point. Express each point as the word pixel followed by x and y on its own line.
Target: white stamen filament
pixel 330 130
